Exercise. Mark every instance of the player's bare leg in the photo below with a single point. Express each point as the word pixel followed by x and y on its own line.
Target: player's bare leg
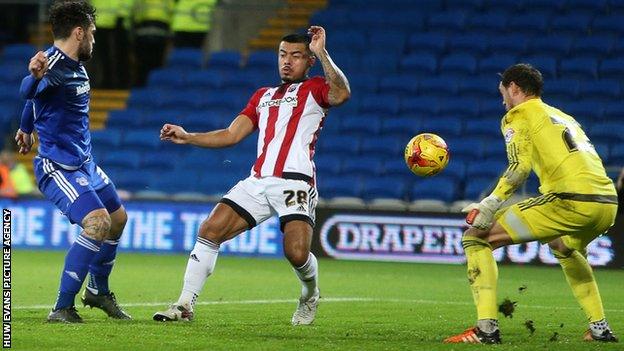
pixel 97 294
pixel 222 224
pixel 580 277
pixel 483 276
pixel 297 241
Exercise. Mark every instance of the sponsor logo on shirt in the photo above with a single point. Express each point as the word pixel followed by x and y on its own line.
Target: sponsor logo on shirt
pixel 509 133
pixel 83 88
pixel 289 100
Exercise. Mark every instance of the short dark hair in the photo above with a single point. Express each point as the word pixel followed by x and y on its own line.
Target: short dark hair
pixel 527 77
pixel 298 38
pixel 65 15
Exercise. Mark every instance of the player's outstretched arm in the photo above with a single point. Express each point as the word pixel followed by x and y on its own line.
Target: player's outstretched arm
pixel 237 131
pixel 339 90
pixel 23 137
pixel 37 66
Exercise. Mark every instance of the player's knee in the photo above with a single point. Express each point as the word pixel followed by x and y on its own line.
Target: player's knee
pixel 118 223
pixel 97 224
pixel 296 256
pixel 212 231
pixel 558 249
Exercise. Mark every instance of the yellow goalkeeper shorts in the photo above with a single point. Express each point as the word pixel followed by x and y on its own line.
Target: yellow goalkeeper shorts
pixel 576 218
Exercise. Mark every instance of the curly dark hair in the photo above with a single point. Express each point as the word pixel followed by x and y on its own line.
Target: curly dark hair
pixel 527 77
pixel 65 15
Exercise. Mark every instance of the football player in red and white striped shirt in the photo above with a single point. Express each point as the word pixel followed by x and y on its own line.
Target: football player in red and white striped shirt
pixel 289 118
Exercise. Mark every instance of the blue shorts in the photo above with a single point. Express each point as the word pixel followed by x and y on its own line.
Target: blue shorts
pixel 78 192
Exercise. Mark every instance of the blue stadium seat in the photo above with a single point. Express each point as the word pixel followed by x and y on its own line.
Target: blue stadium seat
pixel 488 22
pixel 9 93
pixel 380 62
pixel 409 21
pixel 427 42
pixel 225 60
pixel 591 6
pixel 604 90
pixel 106 139
pixel 400 84
pixel 364 83
pixel 475 187
pixel 384 187
pixel 582 68
pixel 459 64
pixel 397 168
pixel 160 161
pixel 446 127
pixel 438 188
pixel 496 63
pixel 465 148
pixel 494 150
pixel 129 180
pixel 330 187
pixel 388 41
pixel 190 58
pixel 122 158
pixel 558 46
pixel 362 165
pixel 196 160
pixel 338 144
pixel 217 183
pixel 608 25
pixel 577 24
pixel 419 63
pixel 469 43
pixel 262 59
pixel 465 5
pixel 584 110
pixel 541 5
pixel 171 182
pixel 481 86
pixel 142 98
pixel 352 39
pixel 512 44
pixel 561 88
pixel 612 68
pixel 422 105
pixel 208 79
pixel 607 131
pixel 141 139
pixel 18 52
pixel 613 110
pixel 438 85
pixel 456 168
pixel 366 18
pixel 400 125
pixel 492 108
pixel 331 17
pixel 383 146
pixel 538 23
pixel 128 118
pixel 603 151
pixel 617 154
pixel 328 163
pixel 239 79
pixel 488 127
pixel 447 21
pixel 13 73
pixel 201 121
pixel 167 77
pixel 598 46
pixel 545 64
pixel 366 123
pixel 460 107
pixel 380 103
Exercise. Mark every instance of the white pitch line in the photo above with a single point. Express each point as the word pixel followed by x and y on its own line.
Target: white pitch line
pixel 323 300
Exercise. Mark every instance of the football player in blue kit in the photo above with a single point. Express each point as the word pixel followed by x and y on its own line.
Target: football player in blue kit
pixel 57 107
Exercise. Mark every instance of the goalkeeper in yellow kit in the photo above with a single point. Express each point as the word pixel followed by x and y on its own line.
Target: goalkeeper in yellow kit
pixel 579 203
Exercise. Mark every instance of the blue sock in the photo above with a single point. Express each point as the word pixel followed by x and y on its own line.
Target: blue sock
pixel 77 261
pixel 101 267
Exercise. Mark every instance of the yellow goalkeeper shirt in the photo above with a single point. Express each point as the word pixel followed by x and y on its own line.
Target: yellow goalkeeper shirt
pixel 544 139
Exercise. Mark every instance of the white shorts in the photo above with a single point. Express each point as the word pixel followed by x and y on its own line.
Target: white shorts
pixel 257 199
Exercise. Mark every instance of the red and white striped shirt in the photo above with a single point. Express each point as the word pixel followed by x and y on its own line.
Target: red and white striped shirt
pixel 289 118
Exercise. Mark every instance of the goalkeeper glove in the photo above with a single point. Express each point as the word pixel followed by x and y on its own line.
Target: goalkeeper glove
pixel 480 215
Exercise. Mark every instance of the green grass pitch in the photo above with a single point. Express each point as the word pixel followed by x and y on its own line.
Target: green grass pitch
pixel 248 302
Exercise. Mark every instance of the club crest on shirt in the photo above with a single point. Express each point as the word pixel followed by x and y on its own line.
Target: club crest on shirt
pixel 82 181
pixel 293 87
pixel 509 133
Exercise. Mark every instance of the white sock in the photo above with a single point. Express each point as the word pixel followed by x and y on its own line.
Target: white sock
pixel 200 265
pixel 308 274
pixel 487 325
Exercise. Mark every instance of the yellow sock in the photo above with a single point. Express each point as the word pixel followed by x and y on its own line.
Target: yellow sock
pixel 482 275
pixel 580 277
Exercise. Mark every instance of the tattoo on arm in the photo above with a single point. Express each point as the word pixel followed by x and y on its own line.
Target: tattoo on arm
pixel 338 83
